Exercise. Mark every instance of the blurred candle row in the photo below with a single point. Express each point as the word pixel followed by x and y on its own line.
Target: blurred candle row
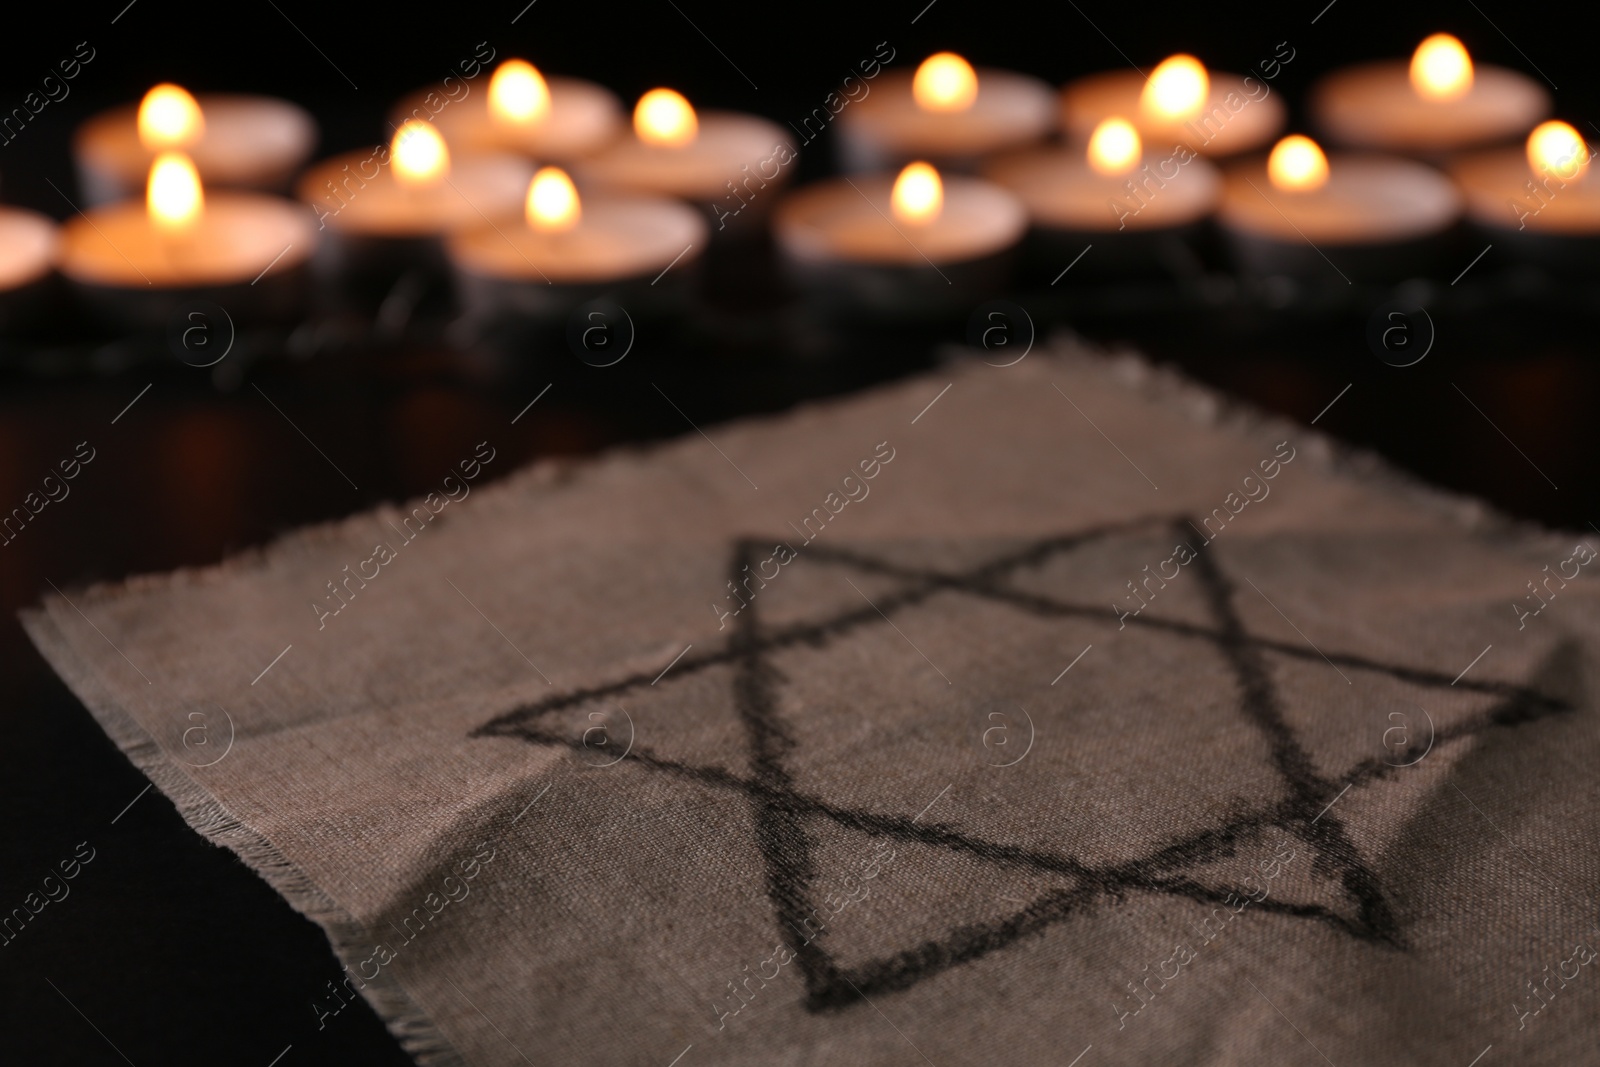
pixel 538 194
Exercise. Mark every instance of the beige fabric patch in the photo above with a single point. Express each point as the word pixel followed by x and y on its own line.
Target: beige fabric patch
pixel 1075 714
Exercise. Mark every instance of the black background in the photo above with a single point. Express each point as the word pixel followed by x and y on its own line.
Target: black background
pixel 171 948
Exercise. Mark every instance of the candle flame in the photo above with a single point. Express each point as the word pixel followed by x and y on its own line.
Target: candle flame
pixel 173 196
pixel 1555 148
pixel 419 155
pixel 1441 68
pixel 1297 165
pixel 553 201
pixel 1114 147
pixel 945 82
pixel 918 195
pixel 1176 90
pixel 169 118
pixel 663 117
pixel 518 94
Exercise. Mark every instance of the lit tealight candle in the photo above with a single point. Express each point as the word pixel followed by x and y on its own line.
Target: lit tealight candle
pixel 250 142
pixel 1180 103
pixel 916 243
pixel 413 187
pixel 1110 186
pixel 1542 199
pixel 27 254
pixel 27 249
pixel 944 111
pixel 1438 102
pixel 723 162
pixel 566 248
pixel 137 259
pixel 524 111
pixel 387 209
pixel 1301 213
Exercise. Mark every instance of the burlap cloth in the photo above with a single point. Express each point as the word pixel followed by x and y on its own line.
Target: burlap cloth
pixel 984 769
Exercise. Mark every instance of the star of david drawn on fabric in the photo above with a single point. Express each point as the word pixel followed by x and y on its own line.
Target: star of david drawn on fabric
pixel 782 810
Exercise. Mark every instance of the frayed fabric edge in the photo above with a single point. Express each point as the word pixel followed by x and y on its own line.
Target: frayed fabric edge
pixel 413 1027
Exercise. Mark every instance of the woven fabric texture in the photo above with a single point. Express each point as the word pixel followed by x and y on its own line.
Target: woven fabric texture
pixel 1063 712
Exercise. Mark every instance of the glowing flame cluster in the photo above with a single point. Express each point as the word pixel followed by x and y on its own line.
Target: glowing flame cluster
pixel 1176 90
pixel 169 121
pixel 945 82
pixel 1555 148
pixel 553 205
pixel 918 195
pixel 1441 69
pixel 665 119
pixel 1114 147
pixel 1297 165
pixel 518 95
pixel 418 155
pixel 169 118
